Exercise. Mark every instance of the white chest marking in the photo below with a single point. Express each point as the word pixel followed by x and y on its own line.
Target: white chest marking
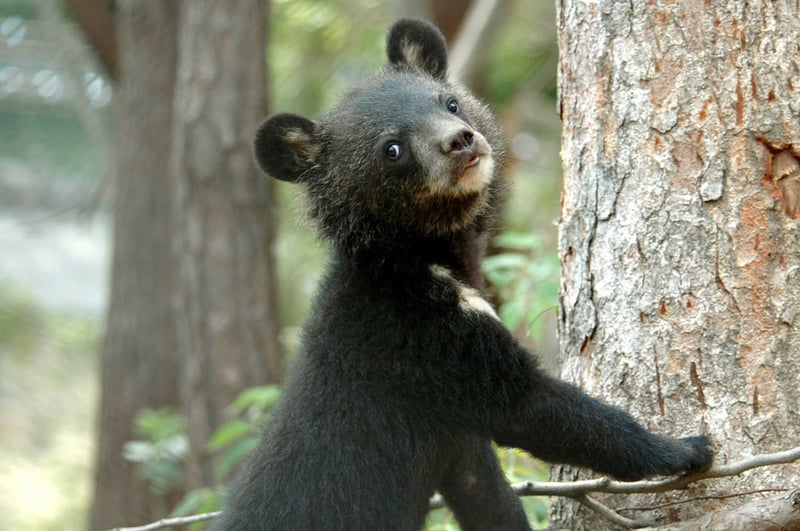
pixel 470 299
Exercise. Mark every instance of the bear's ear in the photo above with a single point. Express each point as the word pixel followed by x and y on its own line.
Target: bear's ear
pixel 419 45
pixel 286 147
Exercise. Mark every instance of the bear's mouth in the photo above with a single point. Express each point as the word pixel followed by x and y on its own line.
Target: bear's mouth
pixel 473 161
pixel 469 171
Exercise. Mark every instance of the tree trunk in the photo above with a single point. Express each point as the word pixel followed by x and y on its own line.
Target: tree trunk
pixel 228 331
pixel 679 238
pixel 139 362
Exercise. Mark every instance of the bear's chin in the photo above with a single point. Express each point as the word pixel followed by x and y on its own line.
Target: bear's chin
pixel 445 213
pixel 475 177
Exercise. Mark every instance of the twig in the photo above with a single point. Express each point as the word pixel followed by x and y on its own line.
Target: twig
pixel 605 485
pixel 172 522
pixel 579 490
pixel 470 45
pixel 610 514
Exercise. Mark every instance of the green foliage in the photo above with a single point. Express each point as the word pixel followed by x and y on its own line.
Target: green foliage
pixel 523 54
pixel 526 280
pixel 520 466
pixel 334 47
pixel 162 448
pixel 18 8
pixel 231 443
pixel 199 501
pixel 161 451
pixel 235 439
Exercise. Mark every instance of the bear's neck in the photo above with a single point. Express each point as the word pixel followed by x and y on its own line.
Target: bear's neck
pixel 404 257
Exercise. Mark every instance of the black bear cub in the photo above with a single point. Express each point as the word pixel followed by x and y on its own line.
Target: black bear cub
pixel 405 374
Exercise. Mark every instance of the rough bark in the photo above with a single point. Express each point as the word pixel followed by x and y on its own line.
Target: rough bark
pixel 139 363
pixel 228 330
pixel 679 237
pixel 778 512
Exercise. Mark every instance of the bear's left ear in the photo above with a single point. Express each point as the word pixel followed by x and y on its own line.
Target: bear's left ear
pixel 286 147
pixel 419 45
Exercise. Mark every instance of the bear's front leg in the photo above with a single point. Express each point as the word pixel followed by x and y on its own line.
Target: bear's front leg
pixel 490 385
pixel 559 423
pixel 476 490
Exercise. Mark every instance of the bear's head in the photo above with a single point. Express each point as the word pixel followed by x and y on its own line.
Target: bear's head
pixel 408 154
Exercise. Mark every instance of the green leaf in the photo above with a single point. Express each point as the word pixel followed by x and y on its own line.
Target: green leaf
pixel 234 454
pixel 262 396
pixel 521 241
pixel 511 313
pixel 191 503
pixel 506 261
pixel 228 433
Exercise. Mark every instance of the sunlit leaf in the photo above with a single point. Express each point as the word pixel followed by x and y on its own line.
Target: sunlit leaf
pixel 234 454
pixel 228 433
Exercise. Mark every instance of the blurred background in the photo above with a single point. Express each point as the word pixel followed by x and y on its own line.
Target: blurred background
pixel 68 95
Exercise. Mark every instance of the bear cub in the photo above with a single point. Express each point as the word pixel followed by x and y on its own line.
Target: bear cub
pixel 405 374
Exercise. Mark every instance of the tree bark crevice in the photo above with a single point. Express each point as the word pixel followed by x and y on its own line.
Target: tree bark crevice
pixel 668 224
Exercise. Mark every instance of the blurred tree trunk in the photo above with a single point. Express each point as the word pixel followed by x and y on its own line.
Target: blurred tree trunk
pixel 228 333
pixel 192 318
pixel 679 238
pixel 139 359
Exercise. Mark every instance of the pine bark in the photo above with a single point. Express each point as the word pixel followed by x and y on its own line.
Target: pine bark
pixel 139 365
pixel 679 238
pixel 192 316
pixel 228 336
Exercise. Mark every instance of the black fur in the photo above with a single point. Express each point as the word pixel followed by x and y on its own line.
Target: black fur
pixel 405 374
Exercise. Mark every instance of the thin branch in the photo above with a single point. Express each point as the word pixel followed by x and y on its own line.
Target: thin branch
pixel 172 522
pixel 611 514
pixel 472 42
pixel 577 490
pixel 605 485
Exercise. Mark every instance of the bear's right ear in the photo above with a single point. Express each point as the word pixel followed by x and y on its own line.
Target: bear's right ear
pixel 286 147
pixel 417 44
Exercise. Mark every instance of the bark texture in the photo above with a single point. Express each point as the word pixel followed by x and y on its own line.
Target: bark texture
pixel 679 239
pixel 226 298
pixel 139 365
pixel 778 512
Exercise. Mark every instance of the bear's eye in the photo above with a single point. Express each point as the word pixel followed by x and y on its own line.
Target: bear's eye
pixel 452 105
pixel 393 150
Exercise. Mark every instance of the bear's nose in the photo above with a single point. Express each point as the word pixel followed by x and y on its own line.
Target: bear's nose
pixel 460 141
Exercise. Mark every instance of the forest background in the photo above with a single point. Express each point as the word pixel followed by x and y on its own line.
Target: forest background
pixel 56 158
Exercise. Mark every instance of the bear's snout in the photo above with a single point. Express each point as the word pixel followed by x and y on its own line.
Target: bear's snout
pixel 463 140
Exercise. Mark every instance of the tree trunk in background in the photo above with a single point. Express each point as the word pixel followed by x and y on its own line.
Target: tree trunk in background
pixel 679 239
pixel 139 361
pixel 226 297
pixel 192 317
